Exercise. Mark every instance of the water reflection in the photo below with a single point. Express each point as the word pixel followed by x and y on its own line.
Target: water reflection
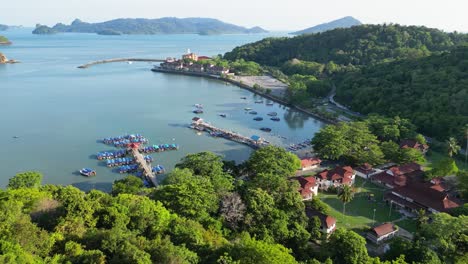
pixel 295 119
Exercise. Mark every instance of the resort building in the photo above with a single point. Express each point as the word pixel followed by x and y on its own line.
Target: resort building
pixel 327 223
pixel 310 163
pixel 336 177
pixel 190 56
pixel 409 191
pixel 308 187
pixel 217 70
pixel 382 233
pixel 365 171
pixel 411 143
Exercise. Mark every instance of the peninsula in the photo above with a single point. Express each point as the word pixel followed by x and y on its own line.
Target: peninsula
pixel 166 25
pixel 5 60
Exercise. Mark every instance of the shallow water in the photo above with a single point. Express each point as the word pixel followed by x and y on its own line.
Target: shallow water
pixel 58 112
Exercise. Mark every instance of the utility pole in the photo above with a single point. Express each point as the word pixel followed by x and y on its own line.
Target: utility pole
pixel 373 218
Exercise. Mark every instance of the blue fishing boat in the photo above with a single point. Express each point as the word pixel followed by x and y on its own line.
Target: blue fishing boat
pixel 198 111
pixel 275 119
pixel 253 112
pixel 258 118
pixel 87 172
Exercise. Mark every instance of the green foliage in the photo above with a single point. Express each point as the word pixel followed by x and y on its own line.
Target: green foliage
pixel 129 184
pixel 353 141
pixel 251 251
pixel 303 87
pixel 30 179
pixel 44 30
pixel 3 39
pixel 408 155
pixel 418 89
pixel 452 146
pixel 360 45
pixel 273 160
pixel 443 167
pixel 248 68
pixel 347 247
pixel 462 177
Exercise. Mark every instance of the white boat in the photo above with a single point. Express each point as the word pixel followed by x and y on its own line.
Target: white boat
pixel 199 106
pixel 129 62
pixel 87 172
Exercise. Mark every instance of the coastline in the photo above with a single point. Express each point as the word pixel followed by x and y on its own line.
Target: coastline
pixel 247 87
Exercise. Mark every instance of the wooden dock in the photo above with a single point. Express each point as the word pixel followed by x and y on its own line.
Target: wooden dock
pixel 200 125
pixel 87 65
pixel 147 170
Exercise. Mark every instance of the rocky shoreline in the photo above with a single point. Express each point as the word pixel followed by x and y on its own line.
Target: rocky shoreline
pixel 5 60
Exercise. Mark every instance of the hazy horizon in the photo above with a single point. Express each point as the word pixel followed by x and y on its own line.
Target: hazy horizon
pixel 271 16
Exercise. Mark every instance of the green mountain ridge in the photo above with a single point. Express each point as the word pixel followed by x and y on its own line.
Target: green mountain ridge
pixel 352 53
pixel 167 25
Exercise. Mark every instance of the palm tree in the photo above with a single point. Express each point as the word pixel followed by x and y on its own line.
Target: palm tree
pixel 452 146
pixel 346 195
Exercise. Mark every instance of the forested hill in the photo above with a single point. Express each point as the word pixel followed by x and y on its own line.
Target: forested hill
pixel 358 45
pixel 167 25
pixel 431 91
pixel 344 22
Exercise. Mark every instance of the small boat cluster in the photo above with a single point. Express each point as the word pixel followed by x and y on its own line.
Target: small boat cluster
pixel 159 169
pixel 123 141
pixel 112 154
pixel 125 161
pixel 299 146
pixel 128 168
pixel 159 148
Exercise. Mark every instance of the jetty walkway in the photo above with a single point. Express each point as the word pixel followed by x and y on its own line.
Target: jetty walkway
pixel 253 142
pixel 87 65
pixel 147 170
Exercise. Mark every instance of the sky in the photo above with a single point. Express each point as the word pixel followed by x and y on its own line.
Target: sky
pixel 449 15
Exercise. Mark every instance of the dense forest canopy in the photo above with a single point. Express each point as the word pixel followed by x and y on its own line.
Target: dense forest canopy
pixel 431 91
pixel 359 45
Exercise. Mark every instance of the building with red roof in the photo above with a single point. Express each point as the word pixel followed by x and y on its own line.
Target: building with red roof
pixel 382 232
pixel 409 191
pixel 310 163
pixel 336 177
pixel 411 143
pixel 308 187
pixel 327 223
pixel 365 171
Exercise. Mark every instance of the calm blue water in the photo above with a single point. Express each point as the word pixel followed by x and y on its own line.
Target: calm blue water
pixel 59 112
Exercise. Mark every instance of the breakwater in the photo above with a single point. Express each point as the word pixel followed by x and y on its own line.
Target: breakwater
pixel 87 65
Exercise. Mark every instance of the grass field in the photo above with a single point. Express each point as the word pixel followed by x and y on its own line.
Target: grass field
pixel 360 211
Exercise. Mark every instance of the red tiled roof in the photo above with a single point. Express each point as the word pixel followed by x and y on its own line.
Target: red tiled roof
pixel 326 220
pixel 411 143
pixel 423 194
pixel 310 162
pixel 203 58
pixel 338 173
pixel 384 229
pixel 306 183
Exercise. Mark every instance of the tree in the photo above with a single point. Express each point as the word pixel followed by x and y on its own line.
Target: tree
pixel 331 142
pixel 248 250
pixel 420 139
pixel 452 147
pixel 189 196
pixel 443 167
pixel 129 184
pixel 232 210
pixel 346 195
pixel 421 218
pixel 210 165
pixel 462 179
pixel 273 160
pixel 30 179
pixel 408 155
pixel 391 150
pixel 347 247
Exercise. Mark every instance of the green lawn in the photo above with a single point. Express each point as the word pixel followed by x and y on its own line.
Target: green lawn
pixel 434 156
pixel 360 210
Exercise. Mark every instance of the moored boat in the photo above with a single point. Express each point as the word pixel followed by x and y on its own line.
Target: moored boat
pixel 259 102
pixel 253 112
pixel 199 106
pixel 270 104
pixel 266 129
pixel 272 114
pixel 258 118
pixel 247 109
pixel 275 119
pixel 198 111
pixel 87 172
pixel 244 98
pixel 222 115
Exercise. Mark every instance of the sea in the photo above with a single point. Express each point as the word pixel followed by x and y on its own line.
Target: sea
pixel 53 115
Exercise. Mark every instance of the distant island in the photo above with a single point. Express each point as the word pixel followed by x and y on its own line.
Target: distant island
pixel 167 25
pixel 4 41
pixel 3 27
pixel 344 22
